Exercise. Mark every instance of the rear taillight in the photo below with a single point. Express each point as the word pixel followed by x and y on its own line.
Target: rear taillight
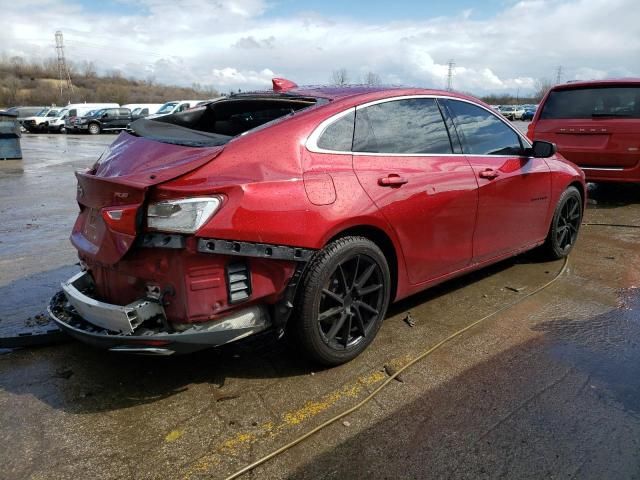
pixel 121 219
pixel 530 131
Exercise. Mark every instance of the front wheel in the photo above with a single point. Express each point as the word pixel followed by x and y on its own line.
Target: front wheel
pixel 342 301
pixel 565 224
pixel 94 129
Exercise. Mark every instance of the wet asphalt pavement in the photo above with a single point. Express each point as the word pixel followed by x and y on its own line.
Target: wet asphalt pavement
pixel 549 388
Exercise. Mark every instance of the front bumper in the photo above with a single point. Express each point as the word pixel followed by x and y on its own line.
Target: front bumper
pixel 140 326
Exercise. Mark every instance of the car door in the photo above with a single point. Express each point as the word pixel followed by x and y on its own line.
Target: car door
pixel 109 118
pixel 404 159
pixel 514 190
pixel 124 118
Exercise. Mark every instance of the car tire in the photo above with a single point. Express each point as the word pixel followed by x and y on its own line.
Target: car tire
pixel 94 129
pixel 342 301
pixel 565 224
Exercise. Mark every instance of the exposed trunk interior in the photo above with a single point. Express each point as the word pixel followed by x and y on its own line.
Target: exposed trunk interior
pixel 219 121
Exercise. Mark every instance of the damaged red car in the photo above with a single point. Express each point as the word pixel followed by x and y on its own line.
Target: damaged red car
pixel 304 212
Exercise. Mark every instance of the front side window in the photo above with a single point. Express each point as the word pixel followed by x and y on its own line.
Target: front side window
pixel 338 136
pixel 482 132
pixel 411 126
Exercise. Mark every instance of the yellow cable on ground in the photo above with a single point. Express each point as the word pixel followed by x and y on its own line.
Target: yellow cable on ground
pixel 618 225
pixel 424 354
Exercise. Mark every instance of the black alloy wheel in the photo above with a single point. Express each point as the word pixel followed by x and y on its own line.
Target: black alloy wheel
pixel 343 300
pixel 351 301
pixel 565 225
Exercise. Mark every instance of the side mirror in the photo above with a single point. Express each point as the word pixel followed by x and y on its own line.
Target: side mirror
pixel 541 149
pixel 105 115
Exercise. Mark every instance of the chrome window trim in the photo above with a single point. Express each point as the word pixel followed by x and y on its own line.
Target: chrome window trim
pixel 312 141
pixel 312 145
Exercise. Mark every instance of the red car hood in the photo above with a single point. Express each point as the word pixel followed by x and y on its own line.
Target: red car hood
pixel 111 197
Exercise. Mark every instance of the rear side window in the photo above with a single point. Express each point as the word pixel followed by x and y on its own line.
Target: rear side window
pixel 482 132
pixel 339 135
pixel 592 103
pixel 123 112
pixel 402 126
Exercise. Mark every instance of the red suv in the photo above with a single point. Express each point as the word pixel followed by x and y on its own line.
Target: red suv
pixel 305 212
pixel 596 125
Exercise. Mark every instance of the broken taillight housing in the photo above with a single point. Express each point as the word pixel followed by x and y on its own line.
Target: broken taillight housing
pixel 185 215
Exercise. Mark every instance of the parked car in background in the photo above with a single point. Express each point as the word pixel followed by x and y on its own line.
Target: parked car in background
pixel 103 120
pixel 175 106
pixel 24 112
pixel 596 124
pixel 142 109
pixel 303 211
pixel 69 113
pixel 512 112
pixel 528 114
pixel 40 121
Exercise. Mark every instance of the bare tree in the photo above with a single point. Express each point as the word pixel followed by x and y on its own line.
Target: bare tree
pixel 340 77
pixel 12 90
pixel 371 78
pixel 542 86
pixel 88 69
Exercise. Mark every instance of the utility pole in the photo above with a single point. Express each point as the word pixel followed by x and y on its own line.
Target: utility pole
pixel 559 74
pixel 452 65
pixel 63 70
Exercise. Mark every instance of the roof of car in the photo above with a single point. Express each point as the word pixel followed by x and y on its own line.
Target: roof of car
pixel 334 93
pixel 597 83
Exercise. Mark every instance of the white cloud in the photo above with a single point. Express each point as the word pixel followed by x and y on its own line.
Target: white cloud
pixel 233 44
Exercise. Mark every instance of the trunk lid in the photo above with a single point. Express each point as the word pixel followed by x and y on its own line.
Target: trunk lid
pixel 112 196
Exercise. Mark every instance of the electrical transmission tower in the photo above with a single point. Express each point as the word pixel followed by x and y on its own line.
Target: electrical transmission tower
pixel 452 65
pixel 559 74
pixel 63 70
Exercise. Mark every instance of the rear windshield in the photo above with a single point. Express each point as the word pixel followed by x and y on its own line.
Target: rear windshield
pixel 593 102
pixel 218 122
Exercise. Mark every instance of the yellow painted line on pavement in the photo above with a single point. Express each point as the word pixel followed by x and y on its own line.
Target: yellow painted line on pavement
pixel 308 411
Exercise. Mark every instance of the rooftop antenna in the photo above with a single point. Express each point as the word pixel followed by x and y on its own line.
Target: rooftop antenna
pixel 63 70
pixel 452 65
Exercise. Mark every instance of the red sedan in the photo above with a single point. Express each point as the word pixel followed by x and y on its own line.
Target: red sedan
pixel 303 211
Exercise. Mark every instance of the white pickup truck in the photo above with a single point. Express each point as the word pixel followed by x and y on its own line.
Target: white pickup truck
pixel 40 121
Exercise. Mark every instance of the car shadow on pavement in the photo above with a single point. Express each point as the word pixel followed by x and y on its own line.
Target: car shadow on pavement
pixel 80 379
pixel 566 404
pixel 612 195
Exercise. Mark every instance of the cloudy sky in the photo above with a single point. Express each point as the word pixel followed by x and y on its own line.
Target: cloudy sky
pixel 498 45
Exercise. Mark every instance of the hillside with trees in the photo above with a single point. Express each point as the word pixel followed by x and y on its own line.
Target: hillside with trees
pixel 32 83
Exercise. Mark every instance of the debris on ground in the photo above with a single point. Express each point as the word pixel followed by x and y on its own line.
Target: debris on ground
pixel 391 371
pixel 346 424
pixel 223 396
pixel 409 320
pixel 515 289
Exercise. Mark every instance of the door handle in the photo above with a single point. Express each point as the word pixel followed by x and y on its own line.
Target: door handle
pixel 392 180
pixel 489 173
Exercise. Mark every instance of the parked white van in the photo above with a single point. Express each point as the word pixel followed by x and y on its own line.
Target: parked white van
pixel 70 112
pixel 175 107
pixel 143 109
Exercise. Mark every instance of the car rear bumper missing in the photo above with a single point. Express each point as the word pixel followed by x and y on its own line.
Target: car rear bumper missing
pixel 139 327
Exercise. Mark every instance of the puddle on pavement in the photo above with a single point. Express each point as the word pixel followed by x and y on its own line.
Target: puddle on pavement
pixel 606 347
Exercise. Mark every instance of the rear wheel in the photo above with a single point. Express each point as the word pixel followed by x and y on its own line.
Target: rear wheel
pixel 565 224
pixel 342 301
pixel 94 129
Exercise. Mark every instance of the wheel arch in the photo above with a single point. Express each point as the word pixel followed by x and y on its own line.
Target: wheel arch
pixel 582 190
pixel 383 241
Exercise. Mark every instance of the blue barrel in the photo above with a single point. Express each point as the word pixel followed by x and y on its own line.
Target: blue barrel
pixel 9 136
